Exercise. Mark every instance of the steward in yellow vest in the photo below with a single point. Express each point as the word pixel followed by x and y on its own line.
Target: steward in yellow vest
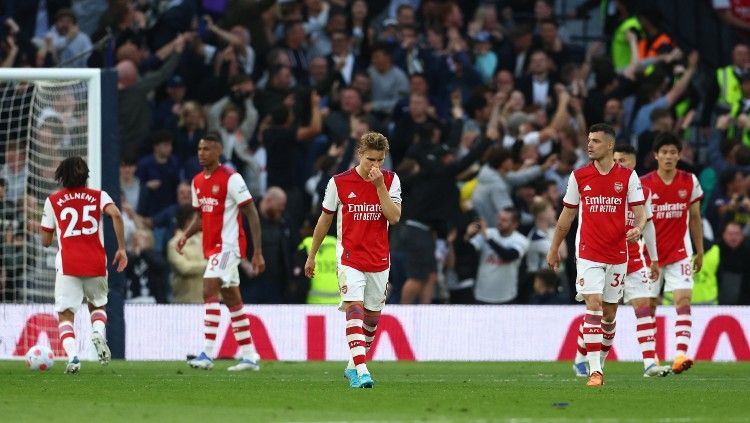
pixel 324 286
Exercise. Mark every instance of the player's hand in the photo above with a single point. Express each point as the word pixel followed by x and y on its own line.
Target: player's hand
pixel 310 267
pixel 553 259
pixel 180 244
pixel 258 262
pixel 633 235
pixel 376 177
pixel 697 262
pixel 120 260
pixel 655 271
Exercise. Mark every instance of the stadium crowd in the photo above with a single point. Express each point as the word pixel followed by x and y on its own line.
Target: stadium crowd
pixel 486 106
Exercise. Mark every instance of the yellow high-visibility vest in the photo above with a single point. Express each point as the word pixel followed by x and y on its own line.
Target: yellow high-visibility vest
pixel 324 286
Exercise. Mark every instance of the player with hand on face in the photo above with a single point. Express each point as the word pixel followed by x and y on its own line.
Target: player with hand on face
pixel 676 201
pixel 74 213
pixel 366 200
pixel 219 194
pixel 600 194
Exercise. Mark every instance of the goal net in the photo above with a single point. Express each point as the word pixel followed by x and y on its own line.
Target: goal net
pixel 46 115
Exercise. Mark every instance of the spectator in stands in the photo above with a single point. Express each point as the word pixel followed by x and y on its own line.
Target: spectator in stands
pixel 15 171
pixel 389 82
pixel 342 60
pixel 190 128
pixel 294 45
pixel 241 94
pixel 731 203
pixel 409 55
pixel 277 92
pixel 501 250
pixel 651 96
pixel 168 111
pixel 134 112
pixel 186 268
pixel 538 86
pixel 270 287
pixel 130 185
pixel 146 276
pixel 496 180
pixel 734 15
pixel 163 223
pixel 337 124
pixel 734 267
pixel 514 56
pixel 485 60
pixel 661 121
pixel 552 43
pixel 72 47
pixel 540 236
pixel 238 39
pixel 159 174
pixel 413 127
pixel 545 289
pixel 724 91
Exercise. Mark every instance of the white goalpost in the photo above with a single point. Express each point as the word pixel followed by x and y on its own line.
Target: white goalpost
pixel 46 115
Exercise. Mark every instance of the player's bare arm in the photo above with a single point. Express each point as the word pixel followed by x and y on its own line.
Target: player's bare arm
pixel 121 257
pixel 321 229
pixel 391 210
pixel 251 212
pixel 649 238
pixel 564 222
pixel 696 232
pixel 634 234
pixel 47 237
pixel 192 229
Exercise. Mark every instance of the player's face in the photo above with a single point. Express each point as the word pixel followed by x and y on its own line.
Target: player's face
pixel 667 157
pixel 625 160
pixel 371 158
pixel 208 153
pixel 599 145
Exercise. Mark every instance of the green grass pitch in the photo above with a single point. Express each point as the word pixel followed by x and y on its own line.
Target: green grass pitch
pixel 425 391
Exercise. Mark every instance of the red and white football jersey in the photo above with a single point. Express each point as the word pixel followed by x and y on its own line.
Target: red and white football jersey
pixel 635 249
pixel 670 205
pixel 602 202
pixel 218 197
pixel 362 232
pixel 76 216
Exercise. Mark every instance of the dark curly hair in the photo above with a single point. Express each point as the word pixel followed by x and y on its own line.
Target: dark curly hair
pixel 72 172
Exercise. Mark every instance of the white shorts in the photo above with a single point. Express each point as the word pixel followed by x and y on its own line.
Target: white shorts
pixel 639 285
pixel 677 275
pixel 368 287
pixel 600 278
pixel 223 266
pixel 71 290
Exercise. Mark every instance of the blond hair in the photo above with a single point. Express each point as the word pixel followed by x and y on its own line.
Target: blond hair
pixel 373 141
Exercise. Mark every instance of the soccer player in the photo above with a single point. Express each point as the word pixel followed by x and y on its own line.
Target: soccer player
pixel 366 200
pixel 676 197
pixel 601 193
pixel 641 289
pixel 74 213
pixel 219 194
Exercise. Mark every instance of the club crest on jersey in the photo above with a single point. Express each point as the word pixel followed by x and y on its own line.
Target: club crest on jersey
pixel 580 282
pixel 682 193
pixel 215 189
pixel 618 186
pixel 344 289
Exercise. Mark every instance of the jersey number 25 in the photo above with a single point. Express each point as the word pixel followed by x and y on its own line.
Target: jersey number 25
pixel 71 230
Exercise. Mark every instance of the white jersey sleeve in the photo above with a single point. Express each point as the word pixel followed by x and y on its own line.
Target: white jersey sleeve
pixel 572 196
pixel 237 189
pixel 519 243
pixel 395 191
pixel 635 190
pixel 104 201
pixel 331 199
pixel 48 216
pixel 194 195
pixel 697 194
pixel 647 206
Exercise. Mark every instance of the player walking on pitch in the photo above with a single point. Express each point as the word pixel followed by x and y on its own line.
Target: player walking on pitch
pixel 366 200
pixel 219 194
pixel 74 213
pixel 641 283
pixel 601 192
pixel 676 197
